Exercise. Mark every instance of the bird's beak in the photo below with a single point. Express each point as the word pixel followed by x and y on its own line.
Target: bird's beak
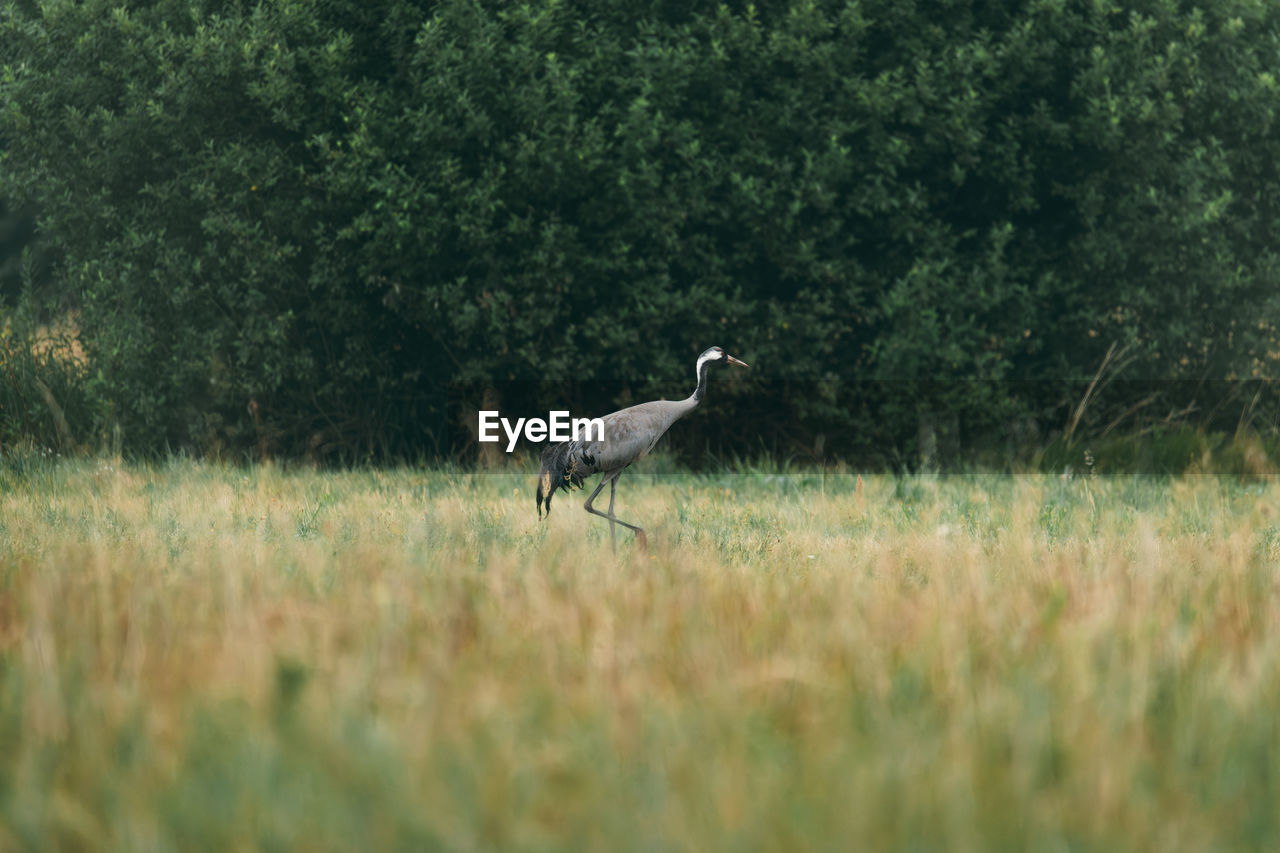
pixel 733 360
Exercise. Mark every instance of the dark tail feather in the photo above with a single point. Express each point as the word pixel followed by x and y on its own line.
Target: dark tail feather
pixel 559 471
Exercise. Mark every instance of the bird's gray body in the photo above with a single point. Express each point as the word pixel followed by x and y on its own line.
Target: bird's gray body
pixel 632 433
pixel 629 435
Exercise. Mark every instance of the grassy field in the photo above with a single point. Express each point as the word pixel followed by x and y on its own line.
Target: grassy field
pixel 199 657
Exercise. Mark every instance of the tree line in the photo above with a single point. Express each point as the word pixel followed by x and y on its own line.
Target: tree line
pixel 337 229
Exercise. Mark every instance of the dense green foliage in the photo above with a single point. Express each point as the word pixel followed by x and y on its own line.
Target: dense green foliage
pixel 347 216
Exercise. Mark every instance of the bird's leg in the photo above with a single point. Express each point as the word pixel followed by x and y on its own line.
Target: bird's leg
pixel 592 497
pixel 613 525
pixel 612 480
pixel 641 540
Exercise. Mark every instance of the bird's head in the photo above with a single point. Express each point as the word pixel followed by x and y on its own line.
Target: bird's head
pixel 716 354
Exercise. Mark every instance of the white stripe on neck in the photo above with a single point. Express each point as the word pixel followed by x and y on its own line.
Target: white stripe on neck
pixel 705 358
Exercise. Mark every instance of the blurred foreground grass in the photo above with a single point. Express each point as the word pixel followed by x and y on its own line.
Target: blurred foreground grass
pixel 196 657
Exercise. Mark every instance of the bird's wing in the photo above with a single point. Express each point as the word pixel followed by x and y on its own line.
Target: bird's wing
pixel 631 433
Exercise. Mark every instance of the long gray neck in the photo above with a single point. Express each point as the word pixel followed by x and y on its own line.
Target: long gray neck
pixel 678 409
pixel 701 390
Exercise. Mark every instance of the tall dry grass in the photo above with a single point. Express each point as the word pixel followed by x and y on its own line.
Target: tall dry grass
pixel 197 657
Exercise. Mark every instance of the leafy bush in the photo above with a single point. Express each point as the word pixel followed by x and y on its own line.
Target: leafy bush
pixel 43 405
pixel 306 226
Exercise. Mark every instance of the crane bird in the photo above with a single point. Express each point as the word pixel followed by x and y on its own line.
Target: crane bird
pixel 629 435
